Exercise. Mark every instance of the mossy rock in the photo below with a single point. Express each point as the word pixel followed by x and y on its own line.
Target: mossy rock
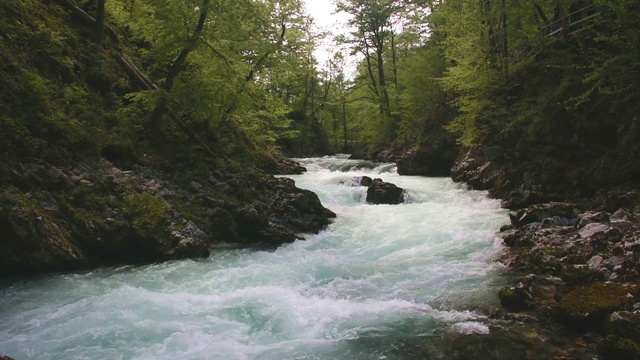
pixel 588 304
pixel 515 298
pixel 616 348
pixel 579 275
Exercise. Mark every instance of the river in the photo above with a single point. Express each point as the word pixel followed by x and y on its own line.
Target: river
pixel 381 282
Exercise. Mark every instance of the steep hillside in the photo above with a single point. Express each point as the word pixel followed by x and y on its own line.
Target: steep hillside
pixel 86 180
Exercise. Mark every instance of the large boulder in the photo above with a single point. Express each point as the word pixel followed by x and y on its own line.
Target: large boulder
pixel 288 210
pixel 587 305
pixel 427 161
pixel 539 212
pixel 381 192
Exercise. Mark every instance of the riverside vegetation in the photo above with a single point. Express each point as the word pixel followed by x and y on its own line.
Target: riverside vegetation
pixel 138 131
pixel 102 165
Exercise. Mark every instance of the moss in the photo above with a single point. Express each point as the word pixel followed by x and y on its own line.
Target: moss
pixel 578 275
pixel 515 298
pixel 592 302
pixel 540 260
pixel 615 348
pixel 148 214
pixel 30 231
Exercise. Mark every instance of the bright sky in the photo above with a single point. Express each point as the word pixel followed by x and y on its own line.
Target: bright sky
pixel 323 12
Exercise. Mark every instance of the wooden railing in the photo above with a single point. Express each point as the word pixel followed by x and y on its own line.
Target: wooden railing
pixel 574 22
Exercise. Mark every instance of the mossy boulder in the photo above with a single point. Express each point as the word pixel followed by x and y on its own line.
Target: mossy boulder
pixel 614 347
pixel 515 298
pixel 579 274
pixel 588 304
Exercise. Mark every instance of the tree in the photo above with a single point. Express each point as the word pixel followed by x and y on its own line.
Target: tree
pixel 372 22
pixel 100 22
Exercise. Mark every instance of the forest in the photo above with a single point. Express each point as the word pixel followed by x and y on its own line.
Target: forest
pixel 436 73
pixel 546 91
pixel 143 131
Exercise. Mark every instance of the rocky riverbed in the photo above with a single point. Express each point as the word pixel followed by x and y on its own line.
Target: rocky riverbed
pixel 91 212
pixel 575 260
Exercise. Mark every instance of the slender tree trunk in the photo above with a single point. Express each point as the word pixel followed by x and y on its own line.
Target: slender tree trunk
pixel 100 23
pixel 374 82
pixel 505 43
pixel 381 74
pixel 177 66
pixel 394 58
pixel 344 123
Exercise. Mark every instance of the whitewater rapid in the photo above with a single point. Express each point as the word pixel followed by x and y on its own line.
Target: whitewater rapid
pixel 381 282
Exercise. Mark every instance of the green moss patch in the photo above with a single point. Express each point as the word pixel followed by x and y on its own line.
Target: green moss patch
pixel 590 303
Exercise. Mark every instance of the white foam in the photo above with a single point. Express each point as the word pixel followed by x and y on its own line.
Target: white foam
pixel 472 327
pixel 374 271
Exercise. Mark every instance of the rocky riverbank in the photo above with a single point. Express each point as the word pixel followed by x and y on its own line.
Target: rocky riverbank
pixel 90 212
pixel 575 259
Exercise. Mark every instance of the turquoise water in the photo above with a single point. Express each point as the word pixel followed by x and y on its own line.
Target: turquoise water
pixel 382 282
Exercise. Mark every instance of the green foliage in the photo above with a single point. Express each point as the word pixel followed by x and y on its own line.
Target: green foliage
pixel 51 103
pixel 149 214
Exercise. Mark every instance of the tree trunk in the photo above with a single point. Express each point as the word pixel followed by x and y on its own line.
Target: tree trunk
pixel 100 23
pixel 381 74
pixel 177 66
pixel 344 122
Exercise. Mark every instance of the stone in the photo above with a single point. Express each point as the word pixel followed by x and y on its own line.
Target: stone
pixel 623 219
pixel 614 347
pixel 579 274
pixel 381 192
pixel 595 261
pixel 552 222
pixel 365 181
pixel 515 298
pixel 537 213
pixel 591 229
pixel 196 186
pixel 427 161
pixel 588 304
pixel 624 214
pixel 590 217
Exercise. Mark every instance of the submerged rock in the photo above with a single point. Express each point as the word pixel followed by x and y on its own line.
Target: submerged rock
pixel 381 192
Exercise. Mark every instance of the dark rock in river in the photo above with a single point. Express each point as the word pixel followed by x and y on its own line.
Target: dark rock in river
pixel 427 161
pixel 365 181
pixel 381 192
pixel 296 209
